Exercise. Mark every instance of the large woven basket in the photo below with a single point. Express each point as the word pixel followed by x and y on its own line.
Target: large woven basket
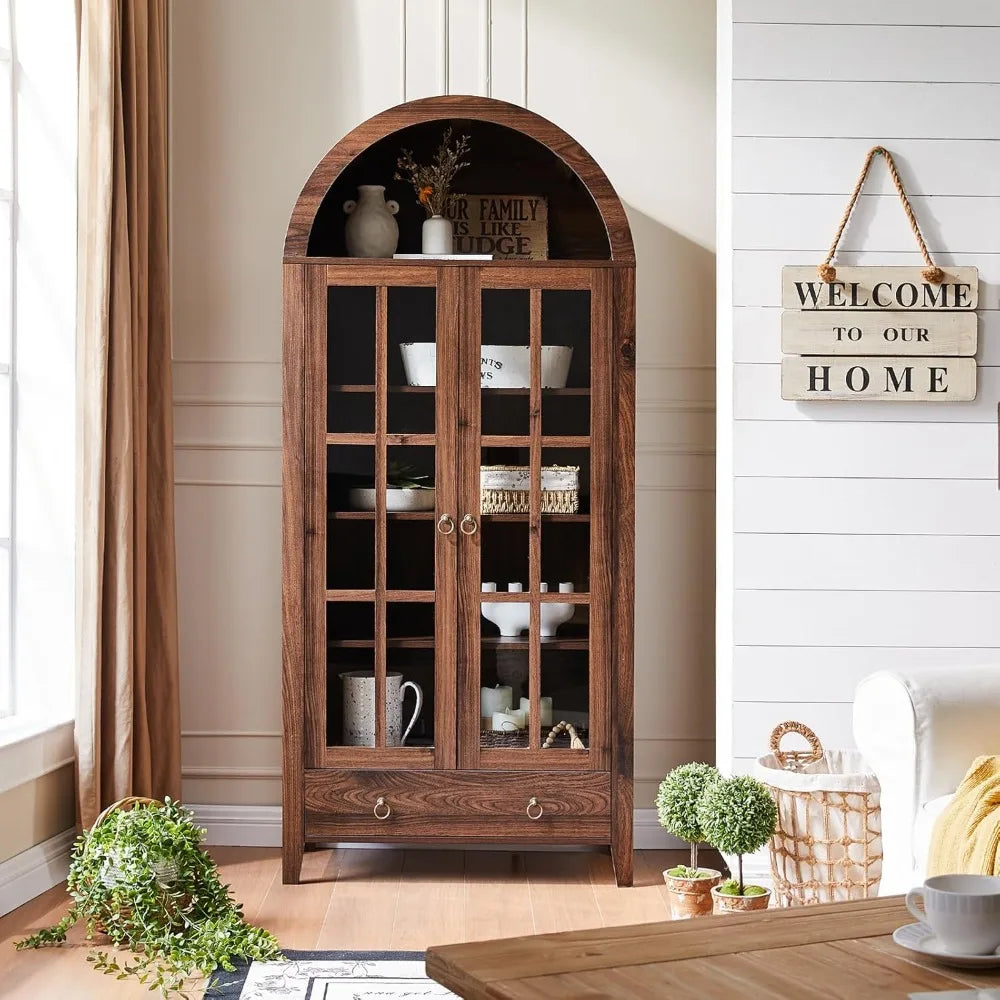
pixel 827 846
pixel 504 489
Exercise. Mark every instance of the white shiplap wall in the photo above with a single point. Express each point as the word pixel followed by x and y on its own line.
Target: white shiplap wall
pixel 259 92
pixel 851 537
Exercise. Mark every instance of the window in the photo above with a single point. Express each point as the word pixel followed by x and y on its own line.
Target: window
pixel 8 376
pixel 37 363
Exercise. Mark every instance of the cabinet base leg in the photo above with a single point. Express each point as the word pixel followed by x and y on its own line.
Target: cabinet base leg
pixel 622 862
pixel 291 864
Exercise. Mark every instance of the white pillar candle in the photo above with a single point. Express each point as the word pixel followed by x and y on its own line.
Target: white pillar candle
pixel 495 699
pixel 545 704
pixel 509 722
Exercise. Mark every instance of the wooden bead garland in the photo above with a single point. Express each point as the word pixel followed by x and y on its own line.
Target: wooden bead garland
pixel 575 743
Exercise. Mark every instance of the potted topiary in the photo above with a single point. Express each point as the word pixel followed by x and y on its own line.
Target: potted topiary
pixel 690 887
pixel 737 816
pixel 140 877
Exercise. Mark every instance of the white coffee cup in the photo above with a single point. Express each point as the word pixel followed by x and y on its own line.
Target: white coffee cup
pixel 963 911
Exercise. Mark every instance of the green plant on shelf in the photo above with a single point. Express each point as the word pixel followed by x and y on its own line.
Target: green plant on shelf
pixel 400 476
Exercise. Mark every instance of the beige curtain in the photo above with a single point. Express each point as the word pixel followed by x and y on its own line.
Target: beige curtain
pixel 127 728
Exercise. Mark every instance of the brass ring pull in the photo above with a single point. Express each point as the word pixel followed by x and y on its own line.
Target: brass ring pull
pixel 533 803
pixel 380 803
pixel 469 519
pixel 445 524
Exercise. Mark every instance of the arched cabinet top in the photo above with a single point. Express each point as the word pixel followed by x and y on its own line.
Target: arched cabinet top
pixel 514 151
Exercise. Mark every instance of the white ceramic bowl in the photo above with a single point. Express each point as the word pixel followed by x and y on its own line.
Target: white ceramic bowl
pixel 502 366
pixel 396 499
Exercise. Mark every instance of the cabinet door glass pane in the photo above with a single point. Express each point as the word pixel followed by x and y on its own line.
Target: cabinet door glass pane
pixel 382 464
pixel 535 547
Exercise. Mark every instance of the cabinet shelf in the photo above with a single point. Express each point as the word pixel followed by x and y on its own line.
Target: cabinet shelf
pixel 488 642
pixel 428 389
pixel 430 515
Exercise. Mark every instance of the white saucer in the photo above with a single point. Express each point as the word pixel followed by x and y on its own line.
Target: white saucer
pixel 920 938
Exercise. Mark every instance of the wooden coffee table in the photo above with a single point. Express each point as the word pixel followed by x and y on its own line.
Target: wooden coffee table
pixel 843 950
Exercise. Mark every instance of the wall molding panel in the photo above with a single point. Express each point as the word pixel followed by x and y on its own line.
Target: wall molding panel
pixel 232 192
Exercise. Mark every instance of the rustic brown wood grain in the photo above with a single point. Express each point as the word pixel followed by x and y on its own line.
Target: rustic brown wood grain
pixel 603 524
pixel 622 696
pixel 292 556
pixel 314 492
pixel 480 812
pixel 534 512
pixel 434 109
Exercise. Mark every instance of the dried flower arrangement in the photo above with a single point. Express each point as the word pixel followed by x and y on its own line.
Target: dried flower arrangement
pixel 432 182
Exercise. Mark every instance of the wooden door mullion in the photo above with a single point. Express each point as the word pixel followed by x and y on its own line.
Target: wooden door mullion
pixel 381 404
pixel 467 500
pixel 448 323
pixel 535 519
pixel 601 515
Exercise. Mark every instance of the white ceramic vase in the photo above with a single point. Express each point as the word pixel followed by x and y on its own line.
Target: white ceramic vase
pixel 359 708
pixel 371 229
pixel 513 618
pixel 436 235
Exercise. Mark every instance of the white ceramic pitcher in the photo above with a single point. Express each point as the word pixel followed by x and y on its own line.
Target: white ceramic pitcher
pixel 359 708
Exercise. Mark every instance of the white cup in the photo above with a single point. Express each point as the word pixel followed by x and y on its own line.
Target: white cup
pixel 963 911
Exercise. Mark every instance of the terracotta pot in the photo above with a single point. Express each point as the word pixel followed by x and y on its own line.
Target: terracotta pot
pixel 740 904
pixel 691 897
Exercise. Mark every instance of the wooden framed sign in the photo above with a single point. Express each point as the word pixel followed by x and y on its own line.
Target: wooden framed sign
pixel 514 226
pixel 879 333
pixel 912 379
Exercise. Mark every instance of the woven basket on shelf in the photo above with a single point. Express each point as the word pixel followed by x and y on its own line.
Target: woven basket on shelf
pixel 504 489
pixel 827 846
pixel 497 739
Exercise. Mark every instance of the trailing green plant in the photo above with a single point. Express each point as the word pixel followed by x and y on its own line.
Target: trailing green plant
pixel 737 816
pixel 683 871
pixel 141 877
pixel 677 802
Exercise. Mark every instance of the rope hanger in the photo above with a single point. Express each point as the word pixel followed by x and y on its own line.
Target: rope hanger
pixel 931 271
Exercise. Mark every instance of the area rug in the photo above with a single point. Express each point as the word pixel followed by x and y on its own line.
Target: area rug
pixel 330 975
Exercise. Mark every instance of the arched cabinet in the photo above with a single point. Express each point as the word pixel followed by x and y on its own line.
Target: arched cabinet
pixel 379 601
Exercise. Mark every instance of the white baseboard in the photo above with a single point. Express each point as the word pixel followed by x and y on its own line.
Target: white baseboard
pixel 648 835
pixel 260 826
pixel 32 872
pixel 240 826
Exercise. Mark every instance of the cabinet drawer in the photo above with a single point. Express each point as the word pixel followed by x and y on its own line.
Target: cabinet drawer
pixel 467 805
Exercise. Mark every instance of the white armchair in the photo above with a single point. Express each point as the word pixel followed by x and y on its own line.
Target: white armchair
pixel 919 729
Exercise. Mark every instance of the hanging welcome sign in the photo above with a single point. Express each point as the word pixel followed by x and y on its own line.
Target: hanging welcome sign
pixel 879 333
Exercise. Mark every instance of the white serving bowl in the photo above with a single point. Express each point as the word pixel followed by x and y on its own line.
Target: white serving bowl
pixel 502 366
pixel 396 499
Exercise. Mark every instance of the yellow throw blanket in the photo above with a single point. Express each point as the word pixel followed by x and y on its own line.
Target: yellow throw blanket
pixel 966 835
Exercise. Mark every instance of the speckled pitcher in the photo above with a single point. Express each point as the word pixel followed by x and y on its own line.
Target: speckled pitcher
pixel 359 708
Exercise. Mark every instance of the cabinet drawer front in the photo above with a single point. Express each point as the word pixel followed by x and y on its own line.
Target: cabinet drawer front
pixel 469 794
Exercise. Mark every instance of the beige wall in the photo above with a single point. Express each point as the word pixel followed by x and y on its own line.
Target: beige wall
pixel 259 92
pixel 37 810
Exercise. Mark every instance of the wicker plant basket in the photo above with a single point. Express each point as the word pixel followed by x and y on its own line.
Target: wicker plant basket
pixel 504 489
pixel 112 874
pixel 560 735
pixel 827 846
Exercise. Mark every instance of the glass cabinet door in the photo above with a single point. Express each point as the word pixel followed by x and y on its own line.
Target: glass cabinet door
pixel 390 539
pixel 537 492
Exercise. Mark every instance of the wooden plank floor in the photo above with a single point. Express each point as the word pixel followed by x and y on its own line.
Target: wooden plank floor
pixel 391 900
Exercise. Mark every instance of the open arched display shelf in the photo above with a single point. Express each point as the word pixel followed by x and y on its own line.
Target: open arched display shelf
pixel 389 589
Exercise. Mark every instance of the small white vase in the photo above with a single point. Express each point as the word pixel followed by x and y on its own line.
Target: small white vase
pixel 371 229
pixel 436 235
